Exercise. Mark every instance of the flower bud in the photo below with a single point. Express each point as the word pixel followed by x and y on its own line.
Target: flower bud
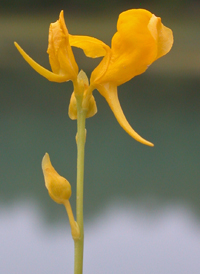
pixel 82 84
pixel 81 92
pixel 58 187
pixel 91 108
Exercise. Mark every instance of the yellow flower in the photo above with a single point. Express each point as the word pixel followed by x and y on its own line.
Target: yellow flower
pixel 140 39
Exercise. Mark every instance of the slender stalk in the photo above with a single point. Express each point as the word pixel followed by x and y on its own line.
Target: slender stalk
pixel 74 226
pixel 78 243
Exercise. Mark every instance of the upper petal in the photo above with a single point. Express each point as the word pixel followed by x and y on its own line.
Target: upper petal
pixel 61 57
pixel 91 46
pixel 133 47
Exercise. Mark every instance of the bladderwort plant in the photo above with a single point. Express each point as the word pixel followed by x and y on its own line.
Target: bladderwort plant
pixel 140 39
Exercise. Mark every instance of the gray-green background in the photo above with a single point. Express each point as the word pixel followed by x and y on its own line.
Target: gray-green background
pixel 122 177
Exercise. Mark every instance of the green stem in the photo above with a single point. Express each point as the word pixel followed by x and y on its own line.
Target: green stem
pixel 78 244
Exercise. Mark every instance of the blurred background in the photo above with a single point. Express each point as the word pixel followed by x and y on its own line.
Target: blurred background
pixel 141 204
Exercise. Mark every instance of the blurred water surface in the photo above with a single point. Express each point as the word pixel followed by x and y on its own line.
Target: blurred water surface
pixel 121 239
pixel 141 204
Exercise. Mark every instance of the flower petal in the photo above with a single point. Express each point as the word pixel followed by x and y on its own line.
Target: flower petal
pixel 162 35
pixel 42 71
pixel 61 57
pixel 91 46
pixel 134 47
pixel 109 92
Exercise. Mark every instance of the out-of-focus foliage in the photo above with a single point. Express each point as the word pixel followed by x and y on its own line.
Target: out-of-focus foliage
pixel 91 5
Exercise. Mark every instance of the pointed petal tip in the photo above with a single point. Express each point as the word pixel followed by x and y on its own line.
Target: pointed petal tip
pixel 45 160
pixel 61 15
pixel 17 46
pixel 148 144
pixel 135 135
pixel 46 155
